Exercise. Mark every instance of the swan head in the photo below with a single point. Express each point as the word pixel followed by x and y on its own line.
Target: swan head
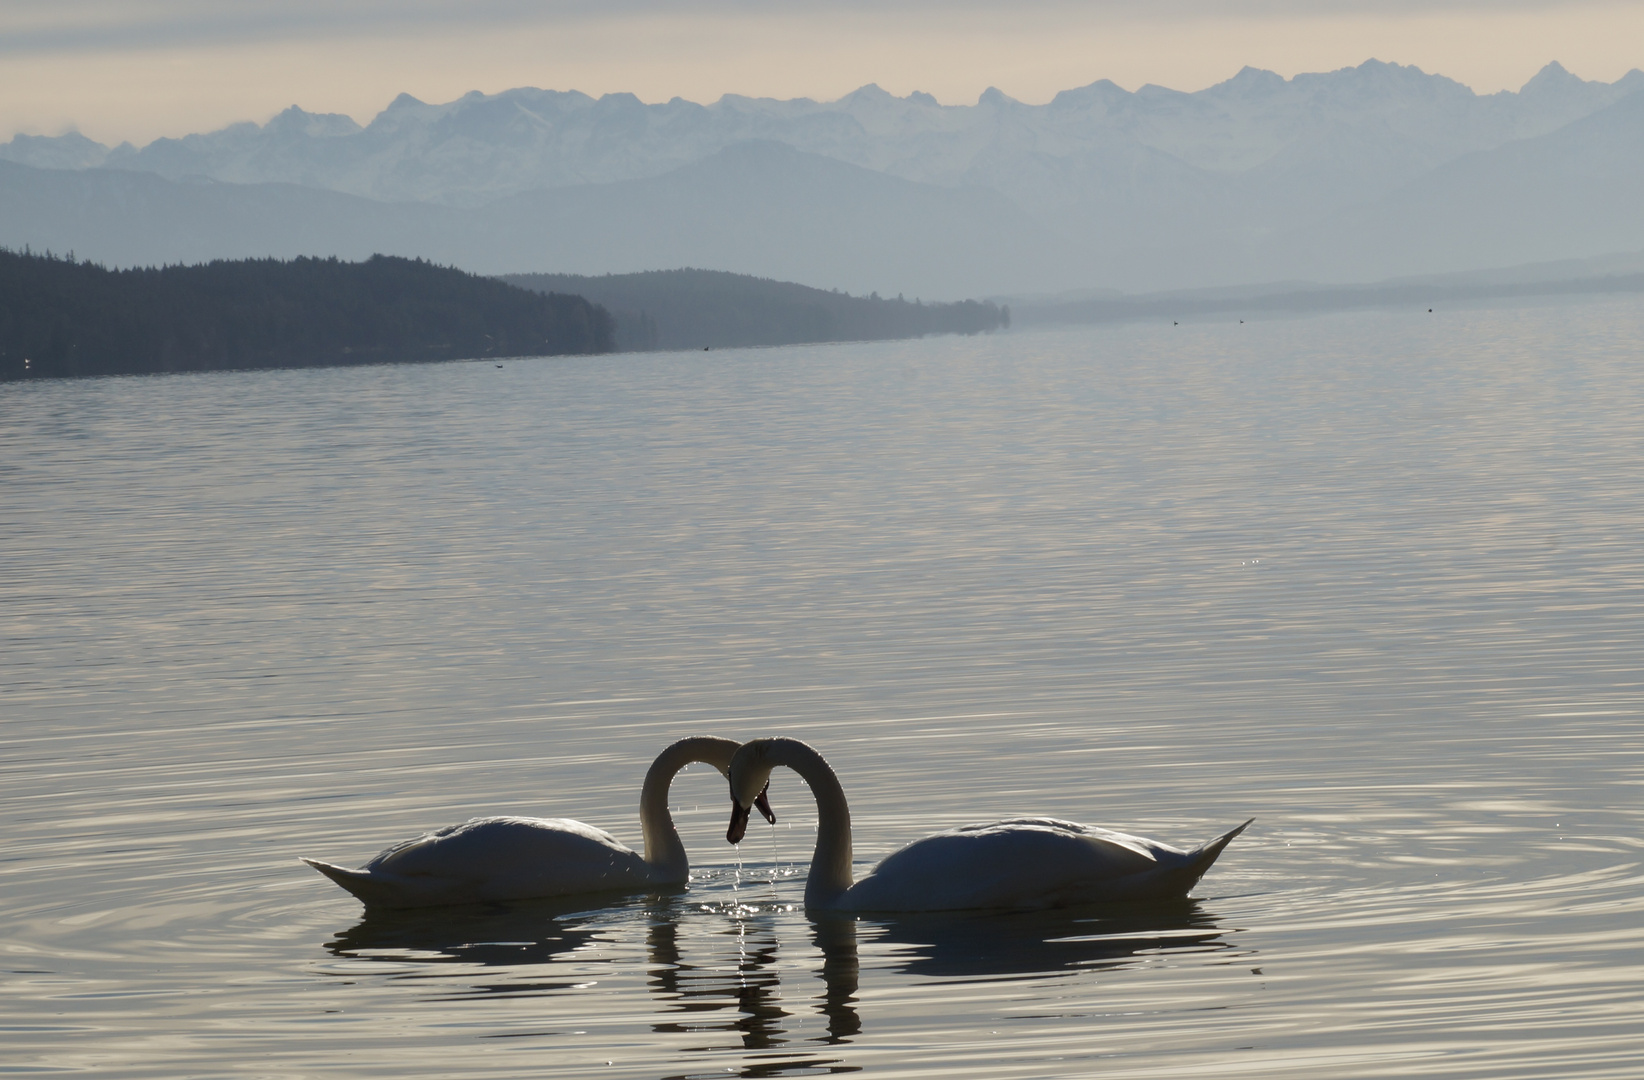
pixel 750 774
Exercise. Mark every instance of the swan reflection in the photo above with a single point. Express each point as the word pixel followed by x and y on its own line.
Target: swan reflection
pixel 729 981
pixel 776 987
pixel 524 934
pixel 731 988
pixel 841 973
pixel 1063 941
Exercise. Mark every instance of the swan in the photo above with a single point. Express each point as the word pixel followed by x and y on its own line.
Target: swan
pixel 1017 863
pixel 516 858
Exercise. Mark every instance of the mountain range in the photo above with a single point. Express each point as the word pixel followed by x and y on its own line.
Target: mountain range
pixel 1351 175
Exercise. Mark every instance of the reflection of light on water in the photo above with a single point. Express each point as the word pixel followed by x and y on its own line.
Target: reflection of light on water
pixel 740 916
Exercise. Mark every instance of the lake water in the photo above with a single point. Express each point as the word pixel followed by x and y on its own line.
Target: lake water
pixel 1375 579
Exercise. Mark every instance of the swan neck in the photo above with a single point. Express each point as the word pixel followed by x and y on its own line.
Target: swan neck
pixel 831 864
pixel 664 852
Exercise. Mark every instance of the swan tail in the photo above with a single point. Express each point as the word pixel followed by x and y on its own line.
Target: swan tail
pixel 1204 856
pixel 1178 880
pixel 361 883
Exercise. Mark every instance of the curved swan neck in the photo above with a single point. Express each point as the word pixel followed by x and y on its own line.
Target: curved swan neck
pixel 664 852
pixel 831 864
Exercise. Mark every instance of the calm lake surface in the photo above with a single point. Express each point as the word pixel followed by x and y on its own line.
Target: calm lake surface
pixel 1374 579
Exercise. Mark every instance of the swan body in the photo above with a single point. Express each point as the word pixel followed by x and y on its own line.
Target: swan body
pixel 516 858
pixel 494 858
pixel 1033 862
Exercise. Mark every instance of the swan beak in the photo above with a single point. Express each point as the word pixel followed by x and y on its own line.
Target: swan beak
pixel 740 814
pixel 739 822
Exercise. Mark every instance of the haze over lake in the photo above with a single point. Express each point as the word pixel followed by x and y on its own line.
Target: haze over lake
pixel 1372 578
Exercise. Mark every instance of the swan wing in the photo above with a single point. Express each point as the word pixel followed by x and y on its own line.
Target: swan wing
pixel 497 858
pixel 1024 863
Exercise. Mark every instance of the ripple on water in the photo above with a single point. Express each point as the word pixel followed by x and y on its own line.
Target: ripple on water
pixel 1373 582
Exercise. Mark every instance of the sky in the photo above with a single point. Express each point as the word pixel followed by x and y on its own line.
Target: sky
pixel 140 69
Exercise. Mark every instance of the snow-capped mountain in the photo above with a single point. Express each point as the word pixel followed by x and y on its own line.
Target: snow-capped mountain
pixel 482 147
pixel 1146 189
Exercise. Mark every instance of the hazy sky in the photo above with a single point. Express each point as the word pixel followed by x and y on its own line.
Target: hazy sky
pixel 137 69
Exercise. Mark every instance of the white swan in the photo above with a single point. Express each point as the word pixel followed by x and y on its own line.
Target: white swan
pixel 1019 863
pixel 515 858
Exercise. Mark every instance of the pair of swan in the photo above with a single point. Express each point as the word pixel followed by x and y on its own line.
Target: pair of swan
pixel 1017 863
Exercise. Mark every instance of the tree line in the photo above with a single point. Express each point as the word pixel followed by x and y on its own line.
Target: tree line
pixel 59 317
pixel 690 309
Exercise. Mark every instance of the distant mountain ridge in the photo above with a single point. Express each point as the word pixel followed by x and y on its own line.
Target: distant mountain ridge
pixel 760 208
pixel 1256 178
pixel 1578 188
pixel 482 147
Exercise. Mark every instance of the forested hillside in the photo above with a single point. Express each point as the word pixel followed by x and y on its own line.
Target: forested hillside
pixel 59 317
pixel 693 309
